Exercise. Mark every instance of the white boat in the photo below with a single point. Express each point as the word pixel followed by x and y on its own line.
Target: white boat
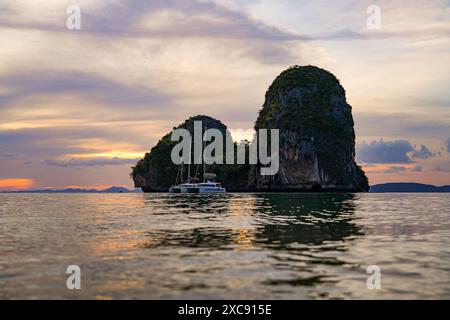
pixel 191 186
pixel 210 187
pixel 203 187
pixel 184 188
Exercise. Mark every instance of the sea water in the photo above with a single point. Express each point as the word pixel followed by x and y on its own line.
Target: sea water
pixel 231 246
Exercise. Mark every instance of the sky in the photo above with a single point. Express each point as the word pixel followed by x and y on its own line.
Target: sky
pixel 79 107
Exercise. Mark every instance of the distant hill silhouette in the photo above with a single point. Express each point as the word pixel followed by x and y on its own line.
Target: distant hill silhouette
pixel 76 190
pixel 407 187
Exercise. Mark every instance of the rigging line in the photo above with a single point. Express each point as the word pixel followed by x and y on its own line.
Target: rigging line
pixel 200 158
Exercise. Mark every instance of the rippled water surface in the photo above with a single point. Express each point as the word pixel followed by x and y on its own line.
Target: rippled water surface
pixel 296 246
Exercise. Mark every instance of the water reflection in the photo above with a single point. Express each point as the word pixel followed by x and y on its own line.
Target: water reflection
pixel 306 219
pixel 278 221
pixel 187 203
pixel 197 238
pixel 306 235
pixel 201 221
pixel 297 235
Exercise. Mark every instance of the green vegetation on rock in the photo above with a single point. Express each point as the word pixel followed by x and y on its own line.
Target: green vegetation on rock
pixel 309 103
pixel 156 171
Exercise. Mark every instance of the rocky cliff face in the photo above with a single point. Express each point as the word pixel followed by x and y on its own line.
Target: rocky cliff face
pixel 317 140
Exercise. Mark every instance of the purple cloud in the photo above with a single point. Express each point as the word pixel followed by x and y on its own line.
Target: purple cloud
pixel 397 151
pixel 92 86
pixel 422 153
pixel 385 151
pixel 94 162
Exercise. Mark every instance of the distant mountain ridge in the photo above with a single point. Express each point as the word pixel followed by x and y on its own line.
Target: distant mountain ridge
pixel 77 190
pixel 408 187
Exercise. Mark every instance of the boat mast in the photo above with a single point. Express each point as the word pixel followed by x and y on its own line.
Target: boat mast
pixel 203 158
pixel 178 174
pixel 182 173
pixel 189 164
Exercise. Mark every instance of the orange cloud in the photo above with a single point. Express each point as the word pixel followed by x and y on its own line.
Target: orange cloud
pixel 15 184
pixel 384 168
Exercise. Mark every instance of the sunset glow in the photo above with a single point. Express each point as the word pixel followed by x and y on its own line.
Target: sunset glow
pixel 15 184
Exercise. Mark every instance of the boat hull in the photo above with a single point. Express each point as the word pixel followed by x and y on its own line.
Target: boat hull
pixel 203 187
pixel 174 190
pixel 211 190
pixel 197 190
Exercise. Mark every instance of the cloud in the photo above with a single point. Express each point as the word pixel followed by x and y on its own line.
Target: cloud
pixel 439 168
pixel 92 162
pixel 7 155
pixel 163 18
pixel 193 18
pixel 402 124
pixel 395 169
pixel 328 20
pixel 15 183
pixel 211 19
pixel 385 152
pixel 60 142
pixel 345 34
pixel 422 153
pixel 169 19
pixel 397 151
pixel 93 87
pixel 448 144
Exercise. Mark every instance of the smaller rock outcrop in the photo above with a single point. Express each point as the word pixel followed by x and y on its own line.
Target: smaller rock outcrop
pixel 156 172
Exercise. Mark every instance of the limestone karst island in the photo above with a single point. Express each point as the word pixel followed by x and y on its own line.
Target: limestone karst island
pixel 317 141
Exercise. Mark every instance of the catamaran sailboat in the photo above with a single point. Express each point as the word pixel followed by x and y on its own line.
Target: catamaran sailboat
pixel 203 187
pixel 191 186
pixel 207 186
